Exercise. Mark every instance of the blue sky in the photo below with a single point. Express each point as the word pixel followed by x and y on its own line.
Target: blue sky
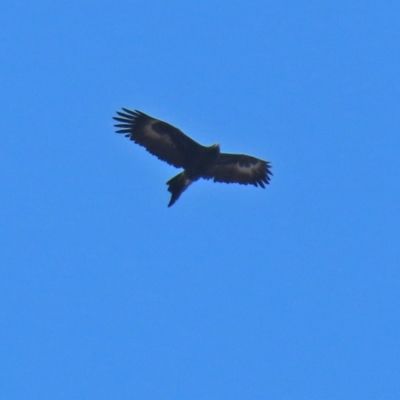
pixel 235 292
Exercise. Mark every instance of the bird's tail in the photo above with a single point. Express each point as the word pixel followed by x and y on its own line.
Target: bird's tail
pixel 177 186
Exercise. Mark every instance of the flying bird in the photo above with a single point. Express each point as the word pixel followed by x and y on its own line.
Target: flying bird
pixel 172 146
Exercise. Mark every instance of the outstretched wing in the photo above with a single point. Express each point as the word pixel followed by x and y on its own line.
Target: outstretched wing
pixel 159 138
pixel 240 168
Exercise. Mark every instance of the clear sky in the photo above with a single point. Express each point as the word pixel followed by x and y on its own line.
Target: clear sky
pixel 235 292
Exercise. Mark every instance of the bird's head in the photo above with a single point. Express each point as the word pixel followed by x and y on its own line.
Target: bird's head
pixel 215 148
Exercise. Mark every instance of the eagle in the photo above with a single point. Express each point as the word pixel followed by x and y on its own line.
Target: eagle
pixel 172 146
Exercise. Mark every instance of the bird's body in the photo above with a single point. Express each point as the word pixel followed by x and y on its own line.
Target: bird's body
pixel 172 146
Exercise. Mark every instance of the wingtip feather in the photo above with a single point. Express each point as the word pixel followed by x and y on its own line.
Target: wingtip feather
pixel 135 113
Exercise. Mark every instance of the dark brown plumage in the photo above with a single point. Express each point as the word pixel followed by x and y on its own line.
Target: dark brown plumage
pixel 171 145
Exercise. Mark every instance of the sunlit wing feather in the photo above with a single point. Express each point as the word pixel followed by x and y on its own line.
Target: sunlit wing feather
pixel 158 137
pixel 240 168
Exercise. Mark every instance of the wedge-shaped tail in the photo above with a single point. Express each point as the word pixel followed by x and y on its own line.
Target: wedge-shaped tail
pixel 176 186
